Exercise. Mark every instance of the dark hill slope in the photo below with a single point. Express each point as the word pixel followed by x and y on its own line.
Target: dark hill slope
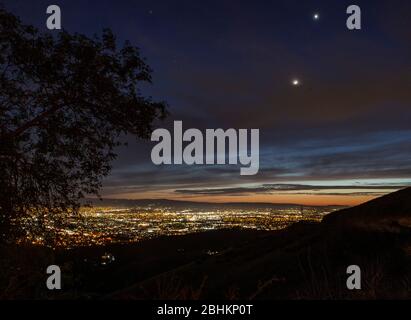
pixel 304 261
pixel 390 212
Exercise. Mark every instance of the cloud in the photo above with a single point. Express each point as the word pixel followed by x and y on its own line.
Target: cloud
pixel 290 188
pixel 386 155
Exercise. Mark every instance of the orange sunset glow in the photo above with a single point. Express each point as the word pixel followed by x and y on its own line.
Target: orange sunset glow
pixel 310 199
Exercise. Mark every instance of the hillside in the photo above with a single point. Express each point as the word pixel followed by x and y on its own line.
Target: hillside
pixel 392 211
pixel 304 261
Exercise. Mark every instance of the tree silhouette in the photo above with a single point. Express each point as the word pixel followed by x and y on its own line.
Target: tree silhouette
pixel 65 101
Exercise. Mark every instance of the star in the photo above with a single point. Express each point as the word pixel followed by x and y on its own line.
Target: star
pixel 316 16
pixel 295 82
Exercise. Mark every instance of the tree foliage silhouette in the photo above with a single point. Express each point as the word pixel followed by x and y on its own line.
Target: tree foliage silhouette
pixel 65 101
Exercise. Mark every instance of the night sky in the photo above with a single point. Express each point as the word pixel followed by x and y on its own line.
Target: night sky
pixel 343 135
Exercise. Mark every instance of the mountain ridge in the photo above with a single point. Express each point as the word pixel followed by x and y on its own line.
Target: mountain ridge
pixel 131 202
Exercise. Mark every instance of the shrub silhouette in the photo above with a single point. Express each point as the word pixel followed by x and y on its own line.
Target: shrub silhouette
pixel 65 101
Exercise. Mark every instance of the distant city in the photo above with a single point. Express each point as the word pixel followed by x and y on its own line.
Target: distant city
pixel 121 221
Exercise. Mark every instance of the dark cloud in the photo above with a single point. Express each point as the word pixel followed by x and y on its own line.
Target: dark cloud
pixel 278 188
pixel 380 156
